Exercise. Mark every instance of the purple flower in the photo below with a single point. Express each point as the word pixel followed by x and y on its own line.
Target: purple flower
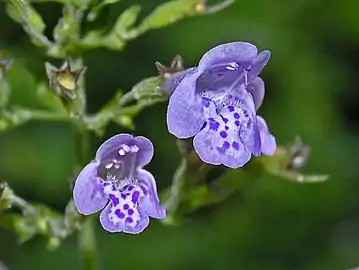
pixel 116 182
pixel 216 102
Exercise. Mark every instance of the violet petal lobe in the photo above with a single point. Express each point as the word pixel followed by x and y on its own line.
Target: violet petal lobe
pixel 171 83
pixel 257 89
pixel 184 112
pixel 233 155
pixel 258 63
pixel 235 51
pixel 150 203
pixel 222 140
pixel 268 140
pixel 88 193
pixel 106 220
pixel 112 144
pixel 123 213
pixel 145 151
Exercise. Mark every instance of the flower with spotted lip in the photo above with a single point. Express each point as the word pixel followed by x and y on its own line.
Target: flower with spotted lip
pixel 216 103
pixel 116 182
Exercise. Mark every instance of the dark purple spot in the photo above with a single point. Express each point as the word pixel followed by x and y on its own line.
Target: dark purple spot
pixel 231 108
pixel 130 188
pixel 237 123
pixel 206 102
pixel 129 220
pixel 105 184
pixel 236 115
pixel 225 120
pixel 135 196
pixel 223 134
pixel 130 212
pixel 114 199
pixel 119 214
pixel 214 125
pixel 245 113
pixel 126 206
pixel 226 145
pixel 144 189
pixel 226 127
pixel 235 145
pixel 123 196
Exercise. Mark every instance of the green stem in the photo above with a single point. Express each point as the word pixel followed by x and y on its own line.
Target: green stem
pixel 88 245
pixel 49 116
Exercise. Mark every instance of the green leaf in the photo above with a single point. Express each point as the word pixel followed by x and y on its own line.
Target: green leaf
pixel 95 11
pixel 23 13
pixel 126 20
pixel 168 13
pixel 6 195
pixel 121 31
pixel 66 32
pixel 144 91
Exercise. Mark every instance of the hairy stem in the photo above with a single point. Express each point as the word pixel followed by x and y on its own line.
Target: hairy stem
pixel 87 245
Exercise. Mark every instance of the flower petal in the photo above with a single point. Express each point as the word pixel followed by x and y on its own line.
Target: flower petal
pixel 268 141
pixel 170 84
pixel 106 220
pixel 257 89
pixel 150 203
pixel 234 51
pixel 209 149
pixel 110 148
pixel 113 144
pixel 88 193
pixel 145 152
pixel 258 64
pixel 123 216
pixel 225 137
pixel 253 142
pixel 184 112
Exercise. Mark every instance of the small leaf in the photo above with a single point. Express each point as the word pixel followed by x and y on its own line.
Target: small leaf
pixel 126 20
pixel 23 13
pixel 146 89
pixel 6 195
pixel 24 228
pixel 168 13
pixel 121 31
pixel 67 28
pixel 94 12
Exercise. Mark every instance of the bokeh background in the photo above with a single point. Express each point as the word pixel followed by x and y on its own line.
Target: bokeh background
pixel 274 224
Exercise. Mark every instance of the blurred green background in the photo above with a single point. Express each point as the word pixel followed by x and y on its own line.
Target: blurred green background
pixel 273 224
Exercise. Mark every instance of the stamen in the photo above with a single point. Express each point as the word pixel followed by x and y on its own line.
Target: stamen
pixel 134 149
pixel 110 177
pixel 121 152
pixel 109 166
pixel 111 170
pixel 126 148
